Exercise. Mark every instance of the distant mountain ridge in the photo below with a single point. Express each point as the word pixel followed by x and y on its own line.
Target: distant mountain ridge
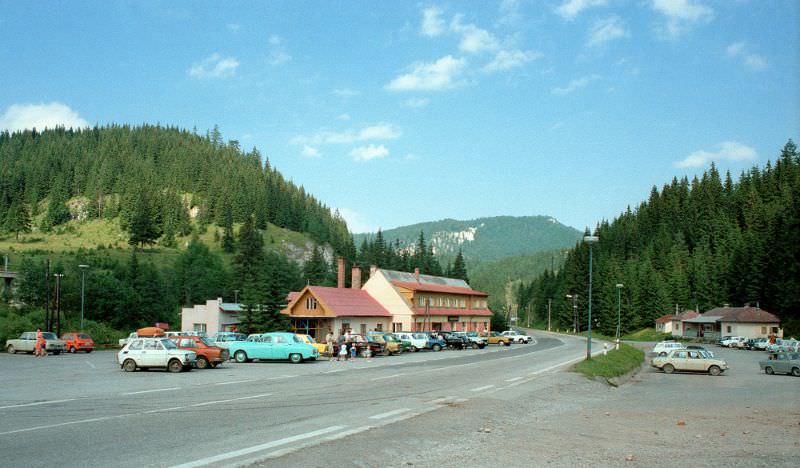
pixel 484 239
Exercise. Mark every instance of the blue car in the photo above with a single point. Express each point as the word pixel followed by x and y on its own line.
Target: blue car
pixel 273 346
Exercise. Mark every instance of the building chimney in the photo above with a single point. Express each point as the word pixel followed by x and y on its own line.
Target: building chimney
pixel 340 273
pixel 416 274
pixel 355 281
pixel 372 270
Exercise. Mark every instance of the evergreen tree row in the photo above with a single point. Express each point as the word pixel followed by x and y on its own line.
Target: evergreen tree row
pixel 695 244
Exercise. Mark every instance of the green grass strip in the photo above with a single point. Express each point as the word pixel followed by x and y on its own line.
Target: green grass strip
pixel 614 364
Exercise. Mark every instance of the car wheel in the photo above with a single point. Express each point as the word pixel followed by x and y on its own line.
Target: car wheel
pixel 796 371
pixel 88 351
pixel 129 365
pixel 175 366
pixel 295 358
pixel 476 346
pixel 714 370
pixel 507 343
pixel 72 349
pixel 769 370
pixel 202 363
pixel 240 356
pixel 56 352
pixel 668 368
pixel 11 349
pixel 662 354
pixel 437 347
pixel 414 349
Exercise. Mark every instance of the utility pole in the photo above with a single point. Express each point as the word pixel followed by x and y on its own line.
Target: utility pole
pixel 83 283
pixel 549 310
pixel 47 323
pixel 58 302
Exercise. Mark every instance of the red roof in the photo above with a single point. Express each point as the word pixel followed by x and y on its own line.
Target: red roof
pixel 446 311
pixel 292 296
pixel 686 315
pixel 665 318
pixel 344 302
pixel 743 314
pixel 427 287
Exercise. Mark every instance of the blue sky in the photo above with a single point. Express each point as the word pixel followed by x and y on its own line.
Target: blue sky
pixel 403 112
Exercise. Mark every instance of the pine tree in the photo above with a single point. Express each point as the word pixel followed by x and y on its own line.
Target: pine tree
pixel 460 268
pixel 18 220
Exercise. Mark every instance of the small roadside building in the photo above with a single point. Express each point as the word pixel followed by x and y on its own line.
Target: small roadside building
pixel 212 317
pixel 678 327
pixel 664 323
pixel 749 322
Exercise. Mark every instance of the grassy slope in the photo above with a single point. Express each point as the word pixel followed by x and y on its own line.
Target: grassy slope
pixel 614 364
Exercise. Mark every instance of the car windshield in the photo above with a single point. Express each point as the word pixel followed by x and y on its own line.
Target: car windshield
pixel 390 338
pixel 169 344
pixel 297 339
pixel 207 341
pixel 84 336
pixel 420 336
pixel 49 336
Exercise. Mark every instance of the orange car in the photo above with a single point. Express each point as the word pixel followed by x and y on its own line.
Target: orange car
pixel 208 354
pixel 77 341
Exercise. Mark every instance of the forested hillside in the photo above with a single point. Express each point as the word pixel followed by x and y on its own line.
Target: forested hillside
pixel 698 243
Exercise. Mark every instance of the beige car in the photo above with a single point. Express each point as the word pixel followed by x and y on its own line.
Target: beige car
pixel 27 342
pixel 689 360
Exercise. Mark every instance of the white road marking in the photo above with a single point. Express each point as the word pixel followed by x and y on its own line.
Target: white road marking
pixel 390 413
pixel 152 391
pixel 387 377
pixel 91 365
pixel 206 403
pixel 70 423
pixel 514 379
pixel 38 403
pixel 163 410
pixel 334 371
pixel 485 387
pixel 235 382
pixel 258 448
pixel 441 400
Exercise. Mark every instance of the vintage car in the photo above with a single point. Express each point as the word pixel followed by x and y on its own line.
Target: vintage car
pixel 146 353
pixel 308 339
pixel 434 342
pixel 781 363
pixel 27 342
pixel 273 346
pixel 418 340
pixel 76 341
pixel 664 347
pixel 454 341
pixel 208 354
pixel 517 337
pixel 689 360
pixel 391 344
pixel 224 339
pixel 477 342
pixel 361 343
pixel 734 342
pixel 496 338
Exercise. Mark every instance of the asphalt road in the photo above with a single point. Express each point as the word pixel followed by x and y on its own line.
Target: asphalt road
pixel 82 410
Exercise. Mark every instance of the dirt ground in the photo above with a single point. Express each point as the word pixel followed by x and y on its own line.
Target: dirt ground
pixel 741 418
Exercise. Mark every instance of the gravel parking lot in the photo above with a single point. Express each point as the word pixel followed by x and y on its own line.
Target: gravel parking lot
pixel 741 418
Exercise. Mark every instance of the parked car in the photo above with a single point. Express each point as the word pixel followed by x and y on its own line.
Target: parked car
pixel 789 346
pixel 308 339
pixel 733 341
pixel 701 348
pixel 273 346
pixel 418 340
pixel 361 343
pixel 475 341
pixel 146 353
pixel 208 354
pixel 402 345
pixel 724 338
pixel 76 341
pixel 781 363
pixel 689 360
pixel 434 342
pixel 496 338
pixel 124 341
pixel 27 342
pixel 224 339
pixel 517 337
pixel 663 347
pixel 454 341
pixel 171 334
pixel 760 344
pixel 391 345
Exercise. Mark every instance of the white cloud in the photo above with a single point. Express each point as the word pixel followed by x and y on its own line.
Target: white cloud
pixel 368 153
pixel 571 8
pixel 381 131
pixel 277 52
pixel 40 116
pixel 214 66
pixel 343 117
pixel 575 85
pixel 680 15
pixel 432 22
pixel 741 51
pixel 507 59
pixel 345 92
pixel 416 102
pixel 442 74
pixel 233 27
pixel 311 152
pixel 726 151
pixel 356 222
pixel 275 40
pixel 473 39
pixel 606 30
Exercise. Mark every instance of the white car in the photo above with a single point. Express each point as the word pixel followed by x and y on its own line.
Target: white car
pixel 734 342
pixel 418 340
pixel 517 337
pixel 144 353
pixel 664 347
pixel 124 341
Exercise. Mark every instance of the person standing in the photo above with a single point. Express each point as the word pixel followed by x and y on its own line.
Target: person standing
pixel 329 340
pixel 41 344
pixel 353 351
pixel 343 352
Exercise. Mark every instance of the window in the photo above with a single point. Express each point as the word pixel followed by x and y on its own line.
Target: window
pixel 679 355
pixel 775 330
pixel 379 327
pixel 280 339
pixel 421 301
pixel 462 303
pixel 311 303
pixel 199 327
pixel 135 345
pixel 396 327
pixel 187 343
pixel 729 328
pixel 150 345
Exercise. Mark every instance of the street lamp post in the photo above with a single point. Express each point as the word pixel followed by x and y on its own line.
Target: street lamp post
pixel 574 298
pixel 619 306
pixel 83 288
pixel 590 240
pixel 58 302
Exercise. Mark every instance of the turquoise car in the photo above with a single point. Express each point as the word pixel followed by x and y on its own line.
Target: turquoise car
pixel 273 346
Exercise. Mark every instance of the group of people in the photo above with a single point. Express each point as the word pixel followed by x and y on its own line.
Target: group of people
pixel 344 351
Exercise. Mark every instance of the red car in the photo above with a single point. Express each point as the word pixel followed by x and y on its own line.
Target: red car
pixel 78 342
